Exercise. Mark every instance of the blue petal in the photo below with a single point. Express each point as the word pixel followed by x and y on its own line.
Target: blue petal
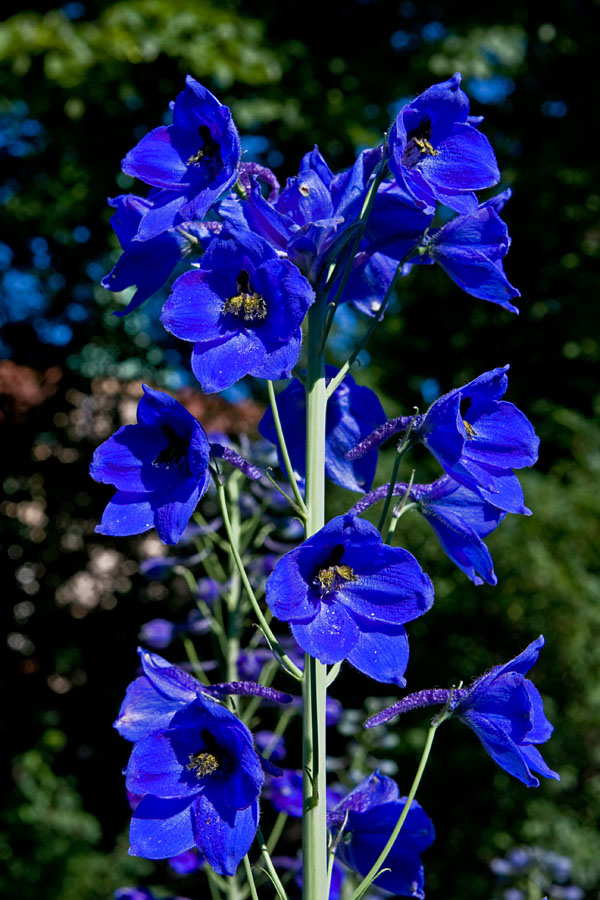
pixel 391 586
pixel 466 162
pixel 144 711
pixel 504 437
pixel 224 839
pixel 381 652
pixel 126 460
pixel 165 214
pixel 330 636
pixel 194 309
pixel 162 828
pixel 219 364
pixel 541 728
pixel 155 768
pixel 175 508
pixel 169 680
pixel 501 748
pixel 157 158
pixel 534 760
pixel 127 514
pixel 279 362
pixel 287 592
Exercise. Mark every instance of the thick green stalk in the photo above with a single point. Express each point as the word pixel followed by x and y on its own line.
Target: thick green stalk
pixel 314 688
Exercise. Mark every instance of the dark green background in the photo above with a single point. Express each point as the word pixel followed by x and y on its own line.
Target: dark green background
pixel 74 601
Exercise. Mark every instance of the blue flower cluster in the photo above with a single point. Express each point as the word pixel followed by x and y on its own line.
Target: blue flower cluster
pixel 258 258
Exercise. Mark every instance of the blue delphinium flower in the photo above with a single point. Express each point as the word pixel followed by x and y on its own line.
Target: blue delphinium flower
pixel 476 437
pixel 479 439
pixel 347 595
pixel 370 813
pixel 193 161
pixel 506 712
pixel 195 765
pixel 470 250
pixel 352 413
pixel 159 467
pixel 438 154
pixel 504 709
pixel 242 309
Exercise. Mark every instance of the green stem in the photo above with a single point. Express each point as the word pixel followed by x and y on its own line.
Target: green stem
pixel 400 509
pixel 376 867
pixel 277 831
pixel 270 867
pixel 289 665
pixel 284 450
pixel 390 494
pixel 250 877
pixel 314 688
pixel 235 590
pixel 193 658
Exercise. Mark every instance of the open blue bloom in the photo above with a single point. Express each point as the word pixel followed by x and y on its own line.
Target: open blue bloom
pixel 352 413
pixel 476 437
pixel 506 712
pixel 148 264
pixel 460 518
pixel 470 250
pixel 347 595
pixel 479 439
pixel 242 309
pixel 195 766
pixel 438 154
pixel 371 812
pixel 193 161
pixel 503 708
pixel 159 467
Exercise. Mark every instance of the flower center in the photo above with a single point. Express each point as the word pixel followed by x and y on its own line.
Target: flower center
pixel 419 145
pixel 205 761
pixel 246 304
pixel 209 148
pixel 175 451
pixel 471 433
pixel 332 577
pixel 202 764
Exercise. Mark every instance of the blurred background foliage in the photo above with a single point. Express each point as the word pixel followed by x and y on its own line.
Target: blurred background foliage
pixel 80 85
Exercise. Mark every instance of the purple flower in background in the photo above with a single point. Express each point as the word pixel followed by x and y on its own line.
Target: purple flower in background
pixel 347 595
pixel 192 162
pixel 285 793
pixel 242 309
pixel 370 813
pixel 352 413
pixel 187 862
pixel 470 250
pixel 503 708
pixel 195 766
pixel 438 154
pixel 159 467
